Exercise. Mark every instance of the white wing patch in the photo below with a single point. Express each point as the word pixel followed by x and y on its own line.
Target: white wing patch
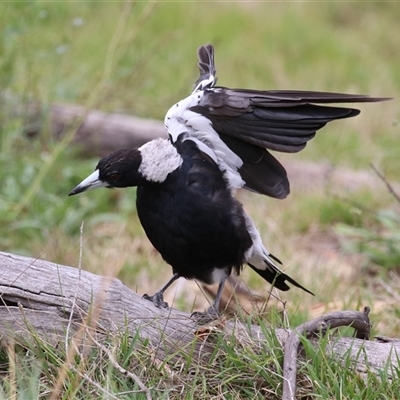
pixel 181 122
pixel 159 159
pixel 257 253
pixel 208 82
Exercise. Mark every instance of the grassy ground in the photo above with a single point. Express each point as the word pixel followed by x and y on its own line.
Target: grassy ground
pixel 139 58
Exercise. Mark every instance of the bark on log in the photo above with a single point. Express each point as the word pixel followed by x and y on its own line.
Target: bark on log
pixel 54 299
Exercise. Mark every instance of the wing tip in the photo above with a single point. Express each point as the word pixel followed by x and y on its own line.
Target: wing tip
pixel 205 54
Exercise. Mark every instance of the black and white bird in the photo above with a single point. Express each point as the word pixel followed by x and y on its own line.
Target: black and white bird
pixel 218 141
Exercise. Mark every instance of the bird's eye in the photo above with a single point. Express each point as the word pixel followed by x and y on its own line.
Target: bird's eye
pixel 113 176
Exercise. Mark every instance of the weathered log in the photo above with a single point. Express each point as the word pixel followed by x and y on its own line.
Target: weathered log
pixel 56 300
pixel 98 133
pixel 101 133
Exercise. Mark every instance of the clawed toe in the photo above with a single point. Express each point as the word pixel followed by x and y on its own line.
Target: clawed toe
pixel 206 316
pixel 157 299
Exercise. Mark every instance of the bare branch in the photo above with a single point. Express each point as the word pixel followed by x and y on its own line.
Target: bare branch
pixel 358 320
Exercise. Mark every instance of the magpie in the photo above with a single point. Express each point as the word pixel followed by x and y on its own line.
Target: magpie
pixel 218 142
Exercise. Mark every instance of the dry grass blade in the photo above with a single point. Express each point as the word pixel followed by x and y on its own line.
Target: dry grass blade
pixel 67 333
pixel 122 370
pixel 12 374
pixel 94 383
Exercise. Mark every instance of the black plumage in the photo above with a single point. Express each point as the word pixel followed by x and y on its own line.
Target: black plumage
pixel 218 142
pixel 209 230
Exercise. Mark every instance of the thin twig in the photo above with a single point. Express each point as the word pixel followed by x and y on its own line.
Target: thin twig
pixel 77 288
pixel 122 370
pixel 89 322
pixel 94 383
pixel 385 181
pixel 389 289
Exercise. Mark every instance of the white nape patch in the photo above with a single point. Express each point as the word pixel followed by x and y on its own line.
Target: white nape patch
pixel 179 120
pixel 159 158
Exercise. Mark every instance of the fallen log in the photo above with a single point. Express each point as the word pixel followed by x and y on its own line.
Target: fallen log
pixel 56 301
pixel 100 133
pixel 96 132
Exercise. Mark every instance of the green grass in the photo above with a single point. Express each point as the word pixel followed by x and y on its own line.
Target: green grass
pixel 139 58
pixel 333 379
pixel 235 370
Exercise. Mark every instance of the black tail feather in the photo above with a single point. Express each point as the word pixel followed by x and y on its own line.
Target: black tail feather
pixel 278 278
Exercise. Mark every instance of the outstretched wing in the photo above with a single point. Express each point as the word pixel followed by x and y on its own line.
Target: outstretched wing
pixel 239 125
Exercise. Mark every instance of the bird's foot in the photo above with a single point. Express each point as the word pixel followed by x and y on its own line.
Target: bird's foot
pixel 157 299
pixel 206 316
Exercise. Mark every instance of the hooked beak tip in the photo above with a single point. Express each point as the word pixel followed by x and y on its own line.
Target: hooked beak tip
pixel 76 190
pixel 91 182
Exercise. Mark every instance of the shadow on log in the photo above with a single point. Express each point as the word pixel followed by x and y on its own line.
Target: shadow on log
pixel 56 300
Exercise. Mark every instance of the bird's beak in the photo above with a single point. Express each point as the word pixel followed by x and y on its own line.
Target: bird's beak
pixel 91 182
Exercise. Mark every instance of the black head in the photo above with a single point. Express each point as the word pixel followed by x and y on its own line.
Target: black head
pixel 118 169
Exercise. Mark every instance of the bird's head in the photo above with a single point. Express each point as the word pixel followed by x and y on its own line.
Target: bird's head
pixel 118 169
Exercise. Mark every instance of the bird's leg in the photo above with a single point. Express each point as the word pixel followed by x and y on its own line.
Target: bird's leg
pixel 158 298
pixel 211 313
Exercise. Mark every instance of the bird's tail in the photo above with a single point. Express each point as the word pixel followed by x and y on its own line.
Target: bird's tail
pixel 207 69
pixel 274 275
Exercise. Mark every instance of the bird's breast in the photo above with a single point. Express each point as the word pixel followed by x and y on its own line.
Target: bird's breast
pixel 195 234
